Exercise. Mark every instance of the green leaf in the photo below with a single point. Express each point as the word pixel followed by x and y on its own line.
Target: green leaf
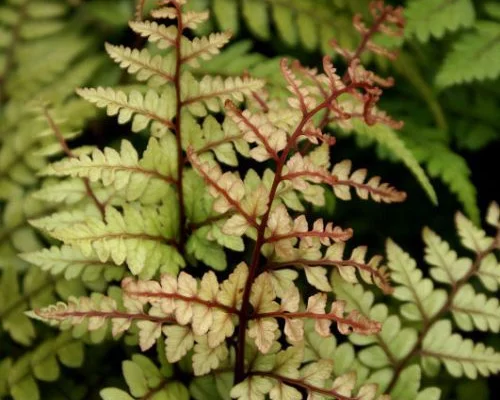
pixel 447 267
pixel 205 250
pixel 434 18
pixel 489 273
pixel 424 301
pixel 373 357
pixel 135 378
pixel 253 388
pixel 448 166
pixel 114 394
pixel 475 56
pixel 256 17
pixel 408 383
pixel 472 237
pixel 431 393
pixel 471 310
pixel 144 238
pixel 26 389
pixel 204 387
pixel 158 108
pixel 460 356
pixel 226 12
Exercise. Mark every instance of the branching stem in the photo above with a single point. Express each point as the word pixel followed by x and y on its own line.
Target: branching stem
pixel 245 311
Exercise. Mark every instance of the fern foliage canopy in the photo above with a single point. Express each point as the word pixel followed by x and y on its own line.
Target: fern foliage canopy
pixel 170 219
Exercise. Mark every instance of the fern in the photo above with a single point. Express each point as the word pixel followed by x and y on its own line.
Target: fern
pixel 310 24
pixel 450 167
pixel 428 18
pixel 199 314
pixel 195 236
pixel 474 56
pixel 432 342
pixel 18 378
pixel 39 44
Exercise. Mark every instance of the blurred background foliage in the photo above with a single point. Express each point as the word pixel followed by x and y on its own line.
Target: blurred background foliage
pixel 447 92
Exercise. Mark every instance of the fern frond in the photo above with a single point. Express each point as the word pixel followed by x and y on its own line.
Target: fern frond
pixel 451 168
pixel 156 70
pixel 147 178
pixel 163 36
pixel 447 267
pixel 459 356
pixel 431 18
pixel 489 273
pixel 224 140
pixel 68 191
pixel 203 48
pixel 72 263
pixel 311 24
pixel 471 236
pixel 42 363
pixel 98 312
pixel 474 310
pixel 158 108
pixel 212 92
pixel 474 56
pixel 145 239
pixel 423 300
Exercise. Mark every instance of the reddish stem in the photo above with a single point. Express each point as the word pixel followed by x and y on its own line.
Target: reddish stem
pixel 177 127
pixel 245 313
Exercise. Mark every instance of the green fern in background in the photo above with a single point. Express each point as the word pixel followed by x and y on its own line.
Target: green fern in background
pixel 421 337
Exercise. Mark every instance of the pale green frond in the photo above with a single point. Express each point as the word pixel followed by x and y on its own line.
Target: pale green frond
pixel 154 69
pixel 144 238
pixel 387 138
pixel 141 109
pixel 72 263
pixel 474 310
pixel 156 33
pixel 446 266
pixel 407 387
pixel 223 140
pixel 68 191
pixel 203 48
pixel 205 250
pixel 252 388
pixel 459 356
pixel 61 219
pixel 489 273
pixel 435 18
pixel 40 63
pixel 146 179
pixel 212 92
pixel 493 215
pixel 475 56
pixel 472 237
pixel 423 301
